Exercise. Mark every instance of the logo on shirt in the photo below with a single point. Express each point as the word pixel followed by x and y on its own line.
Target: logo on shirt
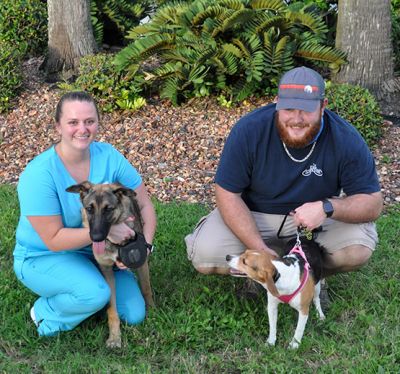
pixel 312 169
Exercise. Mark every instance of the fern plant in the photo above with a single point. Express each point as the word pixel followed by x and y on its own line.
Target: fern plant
pixel 121 15
pixel 232 47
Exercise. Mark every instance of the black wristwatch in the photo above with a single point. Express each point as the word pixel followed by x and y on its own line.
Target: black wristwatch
pixel 328 207
pixel 150 247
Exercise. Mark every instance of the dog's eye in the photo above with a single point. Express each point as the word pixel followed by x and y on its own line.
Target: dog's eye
pixel 244 262
pixel 89 209
pixel 108 208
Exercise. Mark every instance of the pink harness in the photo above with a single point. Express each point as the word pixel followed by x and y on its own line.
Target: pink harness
pixel 297 250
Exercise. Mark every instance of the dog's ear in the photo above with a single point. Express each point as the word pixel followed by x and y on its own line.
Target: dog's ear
pixel 119 190
pixel 82 188
pixel 269 272
pixel 271 286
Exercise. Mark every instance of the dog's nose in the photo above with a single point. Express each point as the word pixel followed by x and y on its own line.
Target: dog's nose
pixel 97 236
pixel 228 257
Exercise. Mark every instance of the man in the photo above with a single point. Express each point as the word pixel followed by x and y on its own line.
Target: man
pixel 296 160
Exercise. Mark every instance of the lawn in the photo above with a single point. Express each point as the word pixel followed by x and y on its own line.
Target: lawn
pixel 200 326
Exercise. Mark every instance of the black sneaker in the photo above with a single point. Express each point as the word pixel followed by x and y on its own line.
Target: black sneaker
pixel 324 296
pixel 249 290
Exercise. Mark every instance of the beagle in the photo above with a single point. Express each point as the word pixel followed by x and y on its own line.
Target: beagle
pixel 293 279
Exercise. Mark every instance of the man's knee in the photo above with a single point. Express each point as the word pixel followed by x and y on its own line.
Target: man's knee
pixel 349 258
pixel 211 270
pixel 357 255
pixel 363 255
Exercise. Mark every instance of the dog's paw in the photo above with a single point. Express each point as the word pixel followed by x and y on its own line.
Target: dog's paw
pixel 271 342
pixel 294 344
pixel 322 317
pixel 113 343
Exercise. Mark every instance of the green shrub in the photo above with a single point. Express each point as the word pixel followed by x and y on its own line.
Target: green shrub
pixel 24 21
pixel 359 107
pixel 10 73
pixel 112 90
pixel 233 48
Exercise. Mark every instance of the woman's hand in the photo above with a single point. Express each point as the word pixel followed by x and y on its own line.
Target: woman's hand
pixel 120 265
pixel 121 232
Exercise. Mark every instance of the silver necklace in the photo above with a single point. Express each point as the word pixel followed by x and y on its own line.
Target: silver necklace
pixel 295 159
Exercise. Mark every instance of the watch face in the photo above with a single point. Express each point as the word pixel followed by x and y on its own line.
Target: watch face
pixel 328 208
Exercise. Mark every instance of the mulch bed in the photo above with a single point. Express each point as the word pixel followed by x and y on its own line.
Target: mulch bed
pixel 176 149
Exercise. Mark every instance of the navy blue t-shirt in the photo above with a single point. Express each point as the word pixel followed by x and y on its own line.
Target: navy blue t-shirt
pixel 255 164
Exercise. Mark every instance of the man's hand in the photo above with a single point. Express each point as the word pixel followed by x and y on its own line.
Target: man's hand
pixel 271 252
pixel 309 215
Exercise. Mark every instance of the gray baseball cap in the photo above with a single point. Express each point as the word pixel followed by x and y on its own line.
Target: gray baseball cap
pixel 300 88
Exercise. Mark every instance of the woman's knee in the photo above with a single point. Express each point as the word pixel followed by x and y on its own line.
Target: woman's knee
pixel 134 315
pixel 94 297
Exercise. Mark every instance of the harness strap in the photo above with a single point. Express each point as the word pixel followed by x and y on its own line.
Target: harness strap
pixel 297 250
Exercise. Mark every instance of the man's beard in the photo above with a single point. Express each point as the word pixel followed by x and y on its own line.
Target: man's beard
pixel 313 129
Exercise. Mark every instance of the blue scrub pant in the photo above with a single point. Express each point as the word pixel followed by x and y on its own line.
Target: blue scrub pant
pixel 72 288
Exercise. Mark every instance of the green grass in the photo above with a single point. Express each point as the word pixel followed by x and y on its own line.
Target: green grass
pixel 199 326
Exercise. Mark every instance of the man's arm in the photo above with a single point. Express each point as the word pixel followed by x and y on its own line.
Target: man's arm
pixel 357 208
pixel 238 218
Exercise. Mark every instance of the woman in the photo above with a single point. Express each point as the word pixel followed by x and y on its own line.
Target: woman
pixel 53 255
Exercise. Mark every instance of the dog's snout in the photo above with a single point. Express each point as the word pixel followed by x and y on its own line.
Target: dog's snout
pixel 228 257
pixel 97 236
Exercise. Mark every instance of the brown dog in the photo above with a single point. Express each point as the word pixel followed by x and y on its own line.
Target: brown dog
pixel 105 205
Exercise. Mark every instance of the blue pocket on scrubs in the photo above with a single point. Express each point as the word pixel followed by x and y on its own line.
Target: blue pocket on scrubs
pixel 18 266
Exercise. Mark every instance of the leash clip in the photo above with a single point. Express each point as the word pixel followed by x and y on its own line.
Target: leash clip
pixel 298 241
pixel 303 231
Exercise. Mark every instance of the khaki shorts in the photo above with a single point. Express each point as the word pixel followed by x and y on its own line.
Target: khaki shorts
pixel 212 240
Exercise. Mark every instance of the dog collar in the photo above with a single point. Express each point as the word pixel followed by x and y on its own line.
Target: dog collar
pixel 297 250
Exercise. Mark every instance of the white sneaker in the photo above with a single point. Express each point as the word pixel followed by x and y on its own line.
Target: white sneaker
pixel 33 317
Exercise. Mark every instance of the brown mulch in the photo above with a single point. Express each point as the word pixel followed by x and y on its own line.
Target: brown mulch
pixel 176 149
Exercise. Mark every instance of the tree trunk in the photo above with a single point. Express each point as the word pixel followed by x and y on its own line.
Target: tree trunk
pixel 363 31
pixel 70 36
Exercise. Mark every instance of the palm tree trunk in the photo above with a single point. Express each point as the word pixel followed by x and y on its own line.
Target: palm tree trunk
pixel 70 36
pixel 363 32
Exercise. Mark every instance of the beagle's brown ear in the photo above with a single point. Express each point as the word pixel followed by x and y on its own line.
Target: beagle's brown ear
pixel 271 286
pixel 82 188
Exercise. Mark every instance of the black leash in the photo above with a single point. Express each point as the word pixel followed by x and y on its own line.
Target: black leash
pixel 302 231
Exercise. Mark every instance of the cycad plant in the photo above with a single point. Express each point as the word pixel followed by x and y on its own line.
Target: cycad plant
pixel 121 15
pixel 231 47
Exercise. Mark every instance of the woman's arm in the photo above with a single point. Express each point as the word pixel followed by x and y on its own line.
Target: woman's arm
pixel 147 211
pixel 56 236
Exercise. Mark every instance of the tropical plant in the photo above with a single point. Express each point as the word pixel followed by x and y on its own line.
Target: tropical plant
pixel 111 89
pixel 117 15
pixel 230 47
pixel 359 107
pixel 395 13
pixel 10 73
